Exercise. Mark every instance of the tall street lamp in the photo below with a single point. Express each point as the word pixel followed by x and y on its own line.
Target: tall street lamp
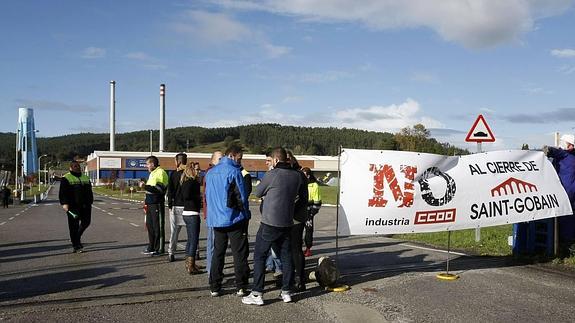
pixel 40 170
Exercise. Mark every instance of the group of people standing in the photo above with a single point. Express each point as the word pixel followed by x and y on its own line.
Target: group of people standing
pixel 290 198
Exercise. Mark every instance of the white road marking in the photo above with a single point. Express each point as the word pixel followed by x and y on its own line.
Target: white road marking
pixel 110 213
pixel 181 246
pixel 432 249
pixel 134 224
pixel 2 223
pixel 119 218
pixel 12 218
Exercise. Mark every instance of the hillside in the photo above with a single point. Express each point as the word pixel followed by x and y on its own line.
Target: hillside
pixel 255 139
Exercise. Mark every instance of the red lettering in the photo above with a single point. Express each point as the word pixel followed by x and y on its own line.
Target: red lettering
pixel 385 173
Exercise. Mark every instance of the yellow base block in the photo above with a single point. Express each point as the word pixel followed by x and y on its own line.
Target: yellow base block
pixel 445 276
pixel 340 288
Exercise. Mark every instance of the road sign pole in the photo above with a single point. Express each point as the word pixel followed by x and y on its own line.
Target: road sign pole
pixel 478 230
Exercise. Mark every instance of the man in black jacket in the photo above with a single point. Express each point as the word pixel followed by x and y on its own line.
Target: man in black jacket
pixel 76 198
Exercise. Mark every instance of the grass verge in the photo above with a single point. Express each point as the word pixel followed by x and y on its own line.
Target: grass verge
pixel 493 240
pixel 136 195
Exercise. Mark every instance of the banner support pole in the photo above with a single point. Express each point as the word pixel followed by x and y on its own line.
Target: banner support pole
pixel 337 204
pixel 446 275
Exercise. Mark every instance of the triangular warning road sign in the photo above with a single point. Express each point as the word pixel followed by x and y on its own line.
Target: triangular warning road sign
pixel 480 131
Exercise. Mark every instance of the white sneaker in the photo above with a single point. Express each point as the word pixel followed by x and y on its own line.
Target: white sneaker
pixel 241 292
pixel 215 293
pixel 285 296
pixel 253 299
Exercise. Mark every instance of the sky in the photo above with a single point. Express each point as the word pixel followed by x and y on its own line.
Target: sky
pixel 378 65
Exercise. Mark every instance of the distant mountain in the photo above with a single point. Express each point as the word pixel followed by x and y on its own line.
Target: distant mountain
pixel 255 139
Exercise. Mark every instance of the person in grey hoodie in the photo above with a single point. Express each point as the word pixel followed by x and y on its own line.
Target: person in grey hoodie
pixel 281 186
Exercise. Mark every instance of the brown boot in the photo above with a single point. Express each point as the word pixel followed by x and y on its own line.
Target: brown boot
pixel 194 268
pixel 189 267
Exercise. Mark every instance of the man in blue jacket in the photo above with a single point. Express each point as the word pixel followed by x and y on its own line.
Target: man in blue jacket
pixel 564 163
pixel 229 214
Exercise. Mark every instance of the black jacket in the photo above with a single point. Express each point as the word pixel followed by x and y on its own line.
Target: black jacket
pixel 190 194
pixel 76 195
pixel 174 197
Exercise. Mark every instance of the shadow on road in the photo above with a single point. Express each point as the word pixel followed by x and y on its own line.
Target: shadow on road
pixel 44 250
pixel 59 282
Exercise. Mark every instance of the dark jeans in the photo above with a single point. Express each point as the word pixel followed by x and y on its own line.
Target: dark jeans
pixel 237 234
pixel 297 253
pixel 279 238
pixel 155 219
pixel 79 225
pixel 309 232
pixel 193 229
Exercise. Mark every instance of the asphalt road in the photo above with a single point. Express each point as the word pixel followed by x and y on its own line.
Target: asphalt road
pixel 41 280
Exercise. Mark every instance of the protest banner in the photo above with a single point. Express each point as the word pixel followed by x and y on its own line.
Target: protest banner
pixel 388 192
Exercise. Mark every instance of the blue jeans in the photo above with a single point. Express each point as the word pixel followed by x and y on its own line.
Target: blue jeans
pixel 209 248
pixel 280 239
pixel 193 229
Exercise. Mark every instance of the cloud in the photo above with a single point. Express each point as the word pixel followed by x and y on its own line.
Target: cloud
pixel 563 53
pixel 291 99
pixel 218 29
pixel 384 118
pixel 537 90
pixel 423 77
pixel 211 28
pixel 276 51
pixel 324 77
pixel 146 61
pixel 138 56
pixel 93 52
pixel 567 69
pixel 56 106
pixel 475 24
pixel 553 116
pixel 375 118
pixel 444 132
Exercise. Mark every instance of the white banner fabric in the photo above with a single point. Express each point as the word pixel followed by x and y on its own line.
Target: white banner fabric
pixel 388 192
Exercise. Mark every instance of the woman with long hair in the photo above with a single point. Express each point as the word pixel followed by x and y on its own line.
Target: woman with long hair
pixel 190 190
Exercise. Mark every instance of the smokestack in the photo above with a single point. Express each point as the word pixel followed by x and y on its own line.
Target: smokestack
pixel 112 115
pixel 162 115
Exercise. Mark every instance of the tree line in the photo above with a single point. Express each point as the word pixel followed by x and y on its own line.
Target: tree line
pixel 256 139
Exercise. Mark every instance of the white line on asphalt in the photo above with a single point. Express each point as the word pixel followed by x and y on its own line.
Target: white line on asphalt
pixel 110 213
pixel 119 218
pixel 12 218
pixel 181 246
pixel 2 223
pixel 432 249
pixel 134 224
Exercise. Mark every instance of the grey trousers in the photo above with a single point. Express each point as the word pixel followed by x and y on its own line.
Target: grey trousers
pixel 176 224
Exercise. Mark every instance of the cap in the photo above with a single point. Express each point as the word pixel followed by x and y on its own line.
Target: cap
pixel 568 139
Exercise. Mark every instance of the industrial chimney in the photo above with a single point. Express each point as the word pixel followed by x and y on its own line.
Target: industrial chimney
pixel 112 115
pixel 162 115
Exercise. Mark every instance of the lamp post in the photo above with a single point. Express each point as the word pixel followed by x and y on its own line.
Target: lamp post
pixel 39 171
